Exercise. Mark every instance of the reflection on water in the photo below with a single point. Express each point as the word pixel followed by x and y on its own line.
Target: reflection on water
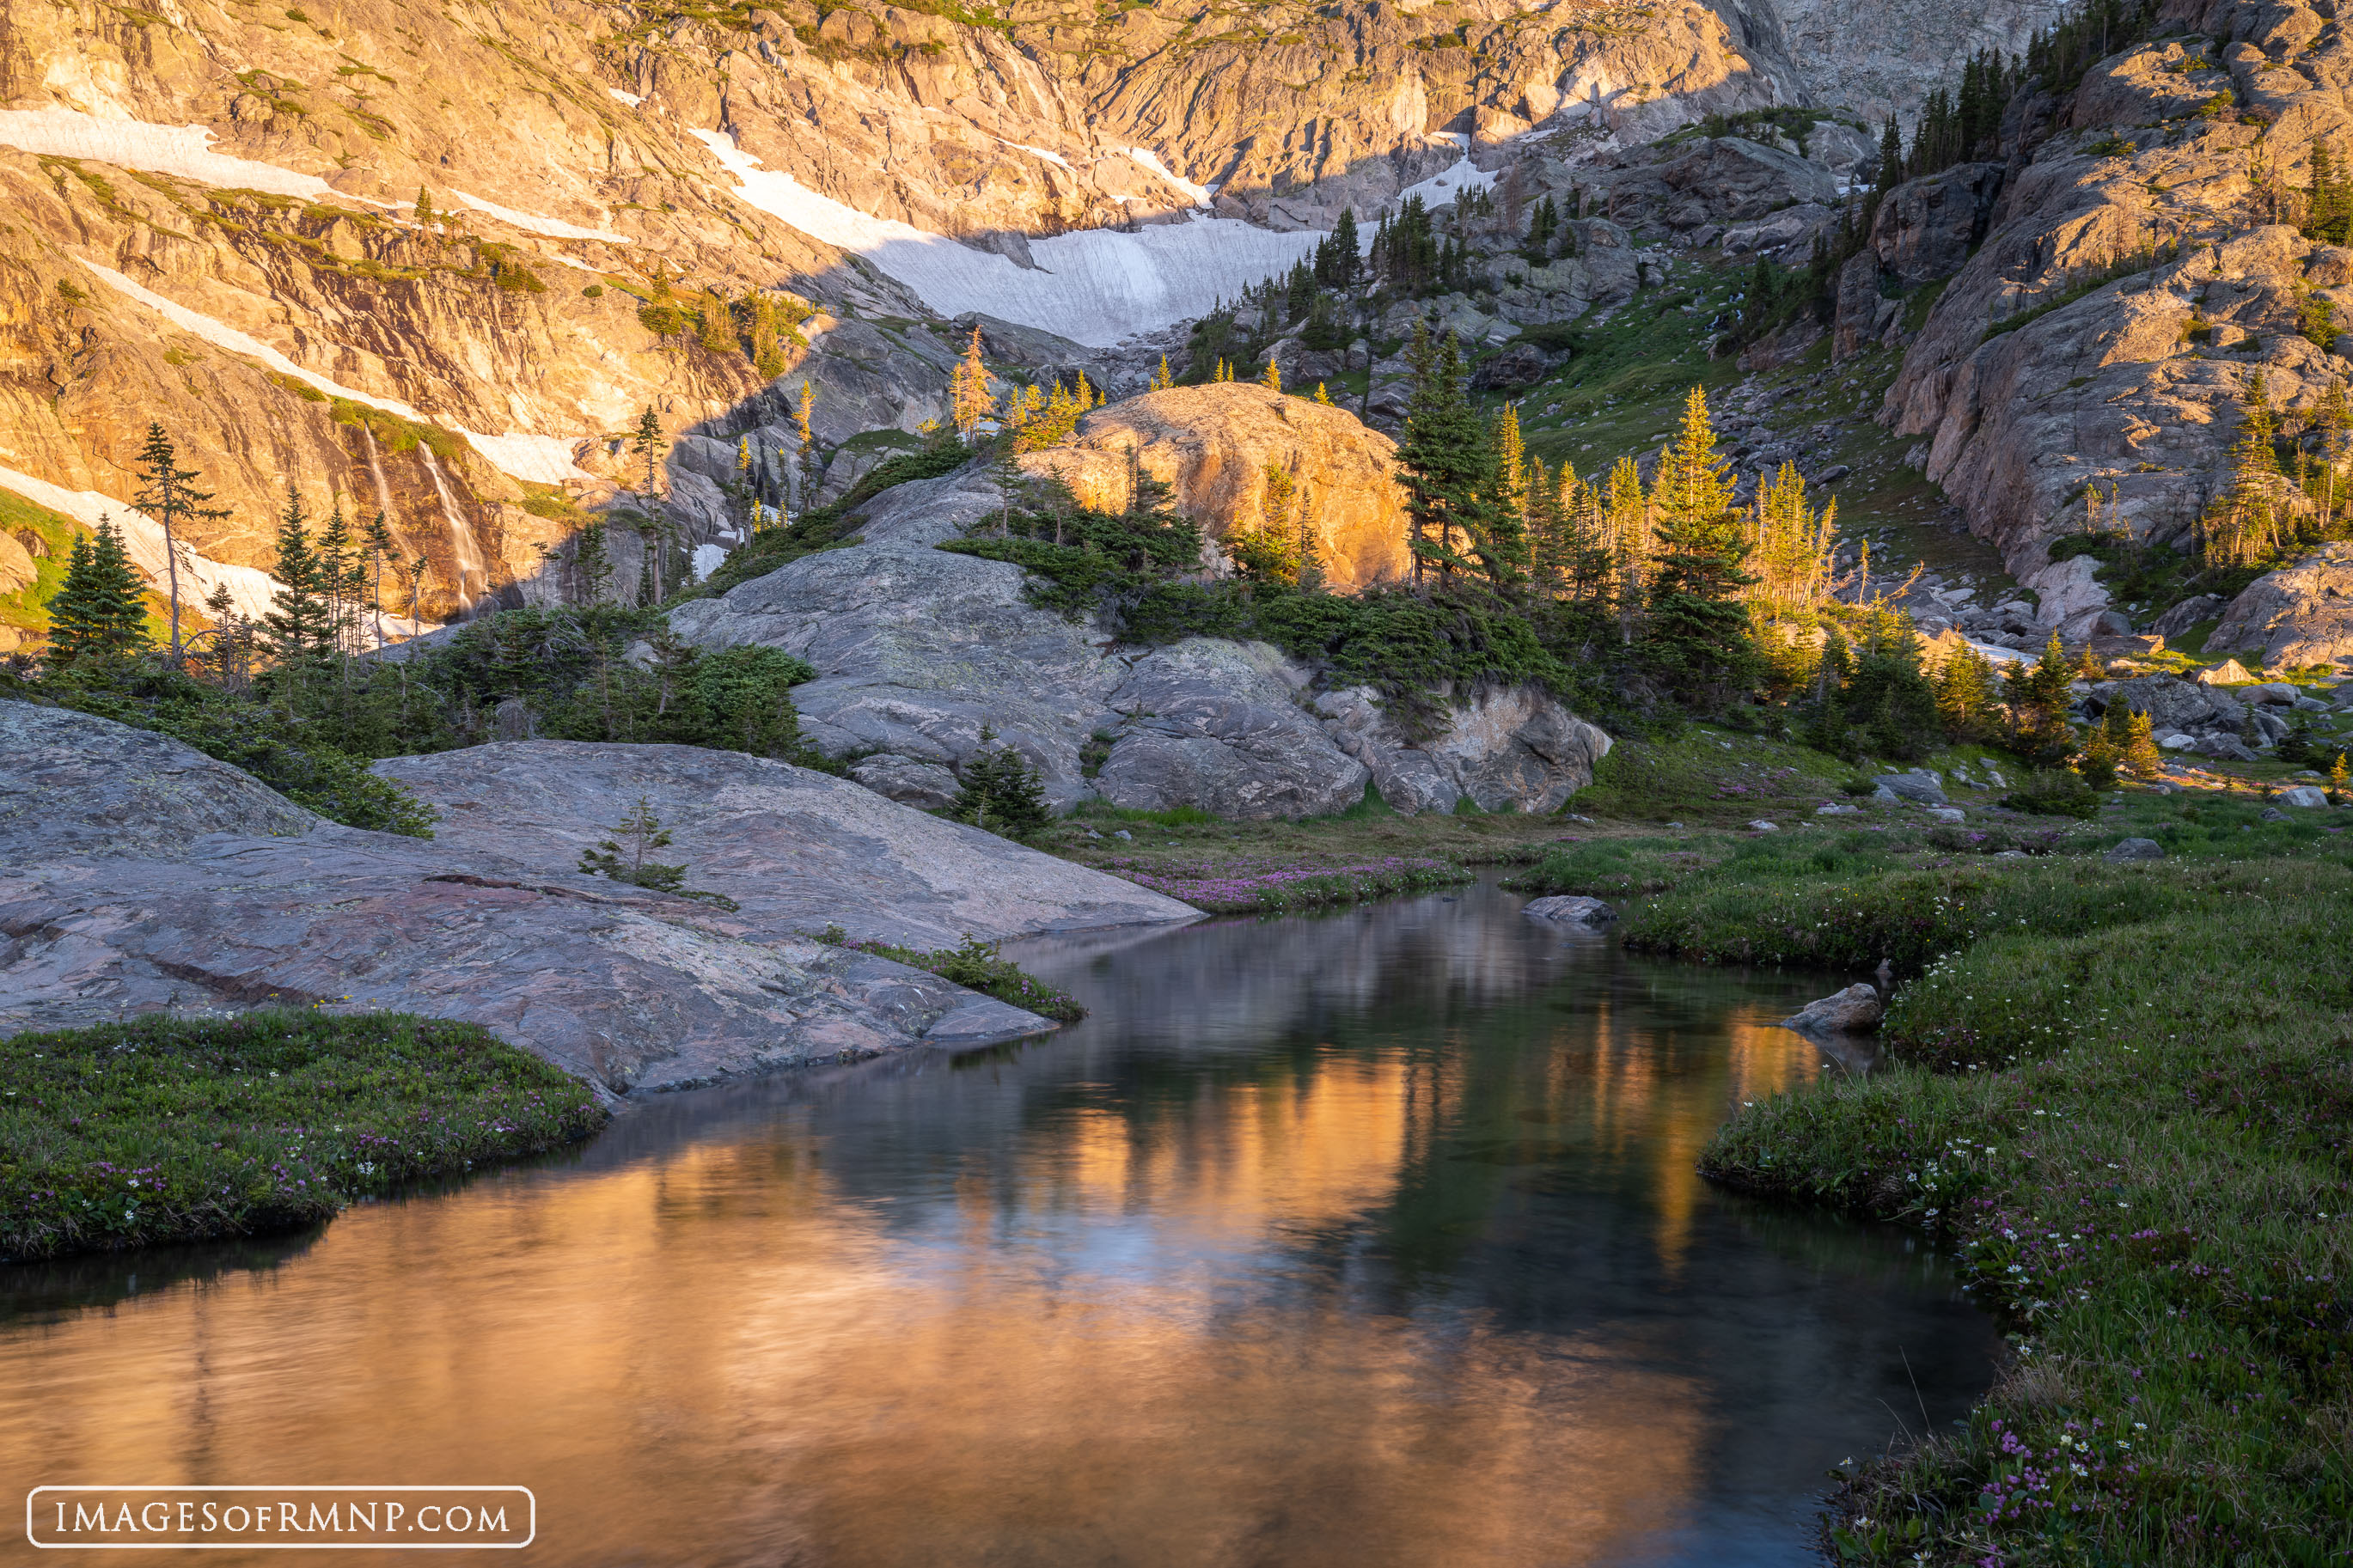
pixel 1366 1241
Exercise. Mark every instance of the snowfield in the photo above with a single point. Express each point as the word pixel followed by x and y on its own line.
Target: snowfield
pixel 182 150
pixel 1097 286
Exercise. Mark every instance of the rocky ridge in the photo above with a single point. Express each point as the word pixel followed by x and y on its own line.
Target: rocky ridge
pixel 2036 381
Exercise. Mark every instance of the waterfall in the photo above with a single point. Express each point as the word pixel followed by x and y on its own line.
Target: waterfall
pixel 383 490
pixel 468 552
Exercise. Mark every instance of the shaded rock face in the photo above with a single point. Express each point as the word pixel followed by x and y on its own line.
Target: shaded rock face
pixel 2299 614
pixel 1212 445
pixel 139 875
pixel 1515 749
pixel 799 850
pixel 1722 180
pixel 1219 724
pixel 1882 57
pixel 1927 227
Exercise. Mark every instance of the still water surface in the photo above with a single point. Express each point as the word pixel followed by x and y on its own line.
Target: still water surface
pixel 1367 1239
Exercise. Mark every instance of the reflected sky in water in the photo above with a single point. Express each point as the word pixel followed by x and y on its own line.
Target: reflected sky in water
pixel 1367 1239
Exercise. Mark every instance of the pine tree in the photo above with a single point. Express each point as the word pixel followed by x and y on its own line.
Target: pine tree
pixel 1272 379
pixel 98 619
pixel 648 445
pixel 1891 158
pixel 1161 379
pixel 1699 626
pixel 1966 696
pixel 1322 395
pixel 622 857
pixel 969 400
pixel 1444 461
pixel 806 458
pixel 2141 757
pixel 1000 791
pixel 1501 542
pixel 2037 695
pixel 378 536
pixel 167 494
pixel 2245 524
pixel 299 624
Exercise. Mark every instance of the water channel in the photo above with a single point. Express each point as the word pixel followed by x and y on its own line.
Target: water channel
pixel 1370 1238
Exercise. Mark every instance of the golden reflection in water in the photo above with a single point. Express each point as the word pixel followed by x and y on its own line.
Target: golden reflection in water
pixel 1057 1354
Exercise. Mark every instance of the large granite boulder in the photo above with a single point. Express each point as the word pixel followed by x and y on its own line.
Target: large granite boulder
pixel 1719 180
pixel 1506 749
pixel 1212 721
pixel 917 651
pixel 1212 445
pixel 2298 614
pixel 137 875
pixel 797 850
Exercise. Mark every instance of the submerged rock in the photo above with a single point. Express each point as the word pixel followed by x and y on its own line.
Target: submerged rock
pixel 1855 1010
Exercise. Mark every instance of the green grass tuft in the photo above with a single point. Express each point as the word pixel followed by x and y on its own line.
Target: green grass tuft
pixel 168 1128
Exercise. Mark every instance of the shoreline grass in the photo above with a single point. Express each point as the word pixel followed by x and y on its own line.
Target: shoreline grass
pixel 167 1129
pixel 2122 1097
pixel 975 965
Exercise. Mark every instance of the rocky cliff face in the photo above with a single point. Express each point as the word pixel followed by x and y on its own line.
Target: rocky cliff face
pixel 213 220
pixel 2037 379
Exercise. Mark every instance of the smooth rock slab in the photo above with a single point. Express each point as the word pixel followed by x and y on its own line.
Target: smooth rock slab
pixel 798 849
pixel 141 874
pixel 1570 909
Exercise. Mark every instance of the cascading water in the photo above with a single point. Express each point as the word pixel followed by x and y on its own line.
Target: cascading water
pixel 462 535
pixel 376 467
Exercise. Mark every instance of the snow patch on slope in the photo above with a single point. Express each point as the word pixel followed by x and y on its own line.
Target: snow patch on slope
pixel 543 460
pixel 554 228
pixel 1151 159
pixel 143 540
pixel 1094 286
pixel 1443 187
pixel 631 99
pixel 249 590
pixel 182 150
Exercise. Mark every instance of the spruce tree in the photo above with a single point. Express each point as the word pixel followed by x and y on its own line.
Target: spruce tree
pixel 2141 757
pixel 1000 791
pixel 2038 697
pixel 167 494
pixel 1445 459
pixel 98 619
pixel 1699 629
pixel 300 626
pixel 1501 542
pixel 622 857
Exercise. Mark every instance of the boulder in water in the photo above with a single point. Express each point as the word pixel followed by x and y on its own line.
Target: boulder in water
pixel 1853 1010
